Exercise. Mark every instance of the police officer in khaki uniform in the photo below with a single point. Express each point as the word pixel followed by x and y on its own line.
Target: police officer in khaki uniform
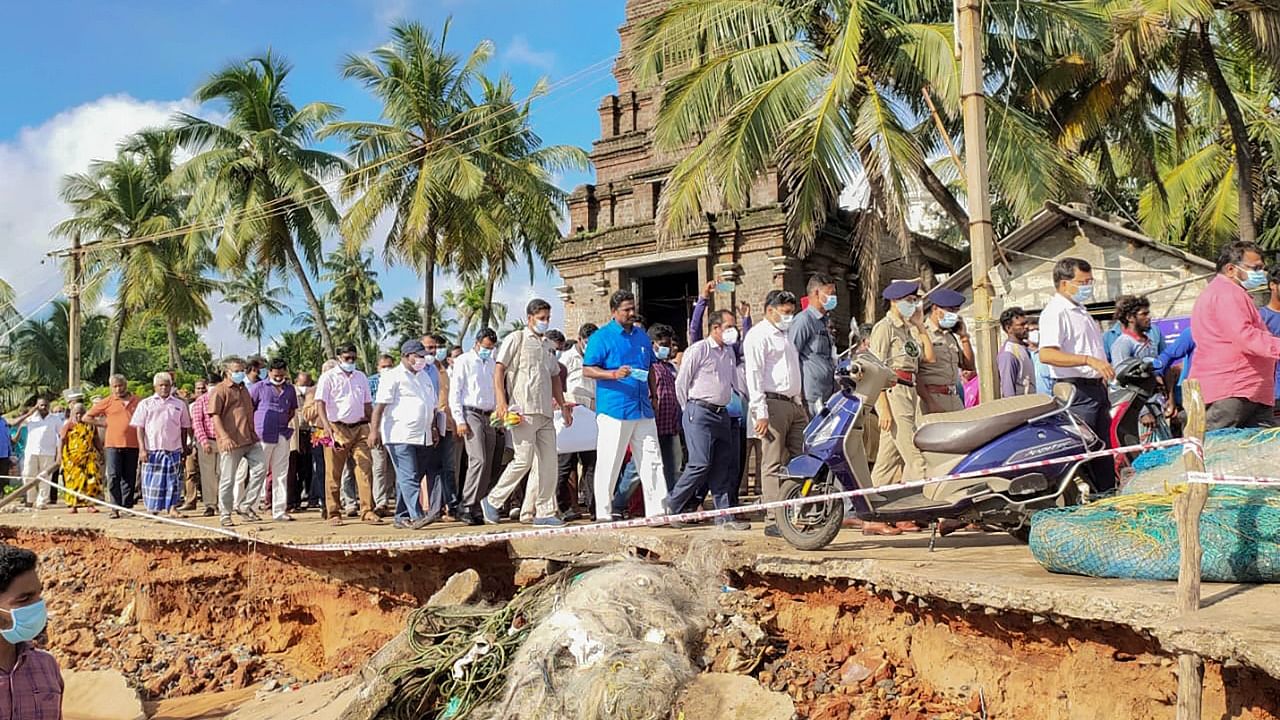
pixel 952 352
pixel 901 340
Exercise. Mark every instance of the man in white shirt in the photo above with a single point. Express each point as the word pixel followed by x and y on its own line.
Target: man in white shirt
pixel 580 390
pixel 404 419
pixel 774 392
pixel 471 402
pixel 43 449
pixel 344 403
pixel 1071 345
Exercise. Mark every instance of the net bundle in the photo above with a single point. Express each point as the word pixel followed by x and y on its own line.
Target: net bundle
pixel 1134 535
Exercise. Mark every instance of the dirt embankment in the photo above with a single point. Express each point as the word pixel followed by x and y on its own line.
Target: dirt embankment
pixel 854 654
pixel 194 617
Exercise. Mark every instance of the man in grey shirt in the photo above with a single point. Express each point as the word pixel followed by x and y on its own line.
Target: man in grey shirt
pixel 812 339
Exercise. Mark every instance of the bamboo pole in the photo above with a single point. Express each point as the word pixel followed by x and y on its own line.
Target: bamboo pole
pixel 1187 507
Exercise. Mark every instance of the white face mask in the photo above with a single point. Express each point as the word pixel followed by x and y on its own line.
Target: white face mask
pixel 730 336
pixel 1033 337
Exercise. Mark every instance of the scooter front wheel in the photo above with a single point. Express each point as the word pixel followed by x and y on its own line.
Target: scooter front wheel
pixel 811 526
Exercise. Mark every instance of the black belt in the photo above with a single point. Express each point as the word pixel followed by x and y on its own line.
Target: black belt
pixel 468 408
pixel 1080 380
pixel 778 396
pixel 351 425
pixel 709 406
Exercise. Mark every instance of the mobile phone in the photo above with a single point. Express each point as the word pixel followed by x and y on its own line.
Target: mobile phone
pixel 725 286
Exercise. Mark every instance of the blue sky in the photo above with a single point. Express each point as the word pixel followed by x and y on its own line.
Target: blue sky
pixel 79 75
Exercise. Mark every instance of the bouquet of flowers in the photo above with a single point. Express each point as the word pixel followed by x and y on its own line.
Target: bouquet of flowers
pixel 319 438
pixel 510 420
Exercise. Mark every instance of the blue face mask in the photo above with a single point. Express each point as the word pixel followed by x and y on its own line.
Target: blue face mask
pixel 949 320
pixel 541 326
pixel 441 354
pixel 1254 279
pixel 830 302
pixel 663 352
pixel 485 353
pixel 906 308
pixel 1084 293
pixel 238 377
pixel 347 366
pixel 28 621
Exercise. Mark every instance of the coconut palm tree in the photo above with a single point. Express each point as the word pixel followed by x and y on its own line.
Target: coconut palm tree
pixel 258 299
pixel 256 178
pixel 1227 50
pixel 416 163
pixel 354 291
pixel 129 197
pixel 829 93
pixel 40 347
pixel 517 215
pixel 403 321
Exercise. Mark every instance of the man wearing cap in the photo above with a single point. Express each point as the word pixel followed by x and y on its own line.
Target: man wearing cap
pixel 952 352
pixel 902 341
pixel 812 340
pixel 404 418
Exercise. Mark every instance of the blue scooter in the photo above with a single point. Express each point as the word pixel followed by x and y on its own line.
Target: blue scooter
pixel 1005 432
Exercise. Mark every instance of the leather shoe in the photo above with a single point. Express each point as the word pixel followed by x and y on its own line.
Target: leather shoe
pixel 772 531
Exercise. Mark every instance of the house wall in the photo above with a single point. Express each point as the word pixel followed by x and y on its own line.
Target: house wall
pixel 1138 269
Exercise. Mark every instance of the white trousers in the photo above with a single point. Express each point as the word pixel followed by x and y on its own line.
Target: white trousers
pixel 611 447
pixel 276 457
pixel 535 454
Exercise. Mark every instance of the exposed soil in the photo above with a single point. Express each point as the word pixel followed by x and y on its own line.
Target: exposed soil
pixel 853 654
pixel 186 618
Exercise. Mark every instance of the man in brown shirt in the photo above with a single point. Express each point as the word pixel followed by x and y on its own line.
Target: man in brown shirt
pixel 114 414
pixel 231 408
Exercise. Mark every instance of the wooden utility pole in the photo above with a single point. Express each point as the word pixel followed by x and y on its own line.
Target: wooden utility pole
pixel 1186 508
pixel 981 235
pixel 73 322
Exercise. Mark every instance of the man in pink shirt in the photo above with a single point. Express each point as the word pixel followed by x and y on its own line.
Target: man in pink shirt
pixel 163 423
pixel 1235 353
pixel 345 406
pixel 205 452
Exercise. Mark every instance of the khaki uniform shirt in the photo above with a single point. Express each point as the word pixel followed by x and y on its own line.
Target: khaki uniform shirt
pixel 945 369
pixel 896 344
pixel 529 368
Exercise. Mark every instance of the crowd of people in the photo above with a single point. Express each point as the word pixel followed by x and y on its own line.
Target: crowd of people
pixel 619 421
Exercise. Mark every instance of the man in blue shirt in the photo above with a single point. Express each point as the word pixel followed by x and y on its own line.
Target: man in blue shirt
pixel 1271 315
pixel 618 358
pixel 1114 332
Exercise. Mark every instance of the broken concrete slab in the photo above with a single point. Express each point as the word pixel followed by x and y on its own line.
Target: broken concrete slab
pixel 460 589
pixel 99 695
pixel 721 696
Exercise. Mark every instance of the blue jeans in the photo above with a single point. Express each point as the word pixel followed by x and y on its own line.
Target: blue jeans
pixel 444 492
pixel 411 463
pixel 712 458
pixel 627 483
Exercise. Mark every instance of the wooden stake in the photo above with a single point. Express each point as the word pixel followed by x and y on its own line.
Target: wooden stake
pixel 1187 508
pixel 19 493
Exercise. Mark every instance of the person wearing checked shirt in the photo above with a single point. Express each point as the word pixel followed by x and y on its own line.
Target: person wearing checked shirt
pixel 708 377
pixel 952 352
pixel 902 341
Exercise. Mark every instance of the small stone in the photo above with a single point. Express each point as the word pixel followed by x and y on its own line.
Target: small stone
pixel 269 685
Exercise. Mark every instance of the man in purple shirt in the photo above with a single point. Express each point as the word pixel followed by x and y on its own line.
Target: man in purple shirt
pixel 708 377
pixel 274 403
pixel 30 681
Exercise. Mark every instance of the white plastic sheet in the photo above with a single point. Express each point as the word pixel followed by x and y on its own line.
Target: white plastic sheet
pixel 578 437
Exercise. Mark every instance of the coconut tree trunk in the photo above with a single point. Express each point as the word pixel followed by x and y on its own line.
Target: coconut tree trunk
pixel 175 356
pixel 117 332
pixel 317 311
pixel 1239 134
pixel 486 313
pixel 428 294
pixel 943 196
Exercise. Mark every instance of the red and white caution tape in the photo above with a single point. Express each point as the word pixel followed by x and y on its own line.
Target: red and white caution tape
pixel 475 539
pixel 1205 478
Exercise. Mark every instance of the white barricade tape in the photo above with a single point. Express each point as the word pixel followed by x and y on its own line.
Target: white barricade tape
pixel 476 539
pixel 1205 478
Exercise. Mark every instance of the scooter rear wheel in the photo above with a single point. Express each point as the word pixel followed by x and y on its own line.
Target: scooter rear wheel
pixel 812 526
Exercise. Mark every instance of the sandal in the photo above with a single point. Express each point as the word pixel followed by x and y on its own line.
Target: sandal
pixel 371 519
pixel 335 521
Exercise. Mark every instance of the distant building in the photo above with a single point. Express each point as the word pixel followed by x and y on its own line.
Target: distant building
pixel 1125 262
pixel 612 242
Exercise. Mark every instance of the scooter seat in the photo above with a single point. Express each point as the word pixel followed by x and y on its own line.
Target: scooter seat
pixel 963 431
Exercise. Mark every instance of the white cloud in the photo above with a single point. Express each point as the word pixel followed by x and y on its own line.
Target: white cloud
pixel 223 337
pixel 520 52
pixel 34 162
pixel 386 12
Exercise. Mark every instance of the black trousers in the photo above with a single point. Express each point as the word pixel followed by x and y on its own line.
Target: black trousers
pixel 301 469
pixel 1234 412
pixel 1093 407
pixel 122 475
pixel 566 463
